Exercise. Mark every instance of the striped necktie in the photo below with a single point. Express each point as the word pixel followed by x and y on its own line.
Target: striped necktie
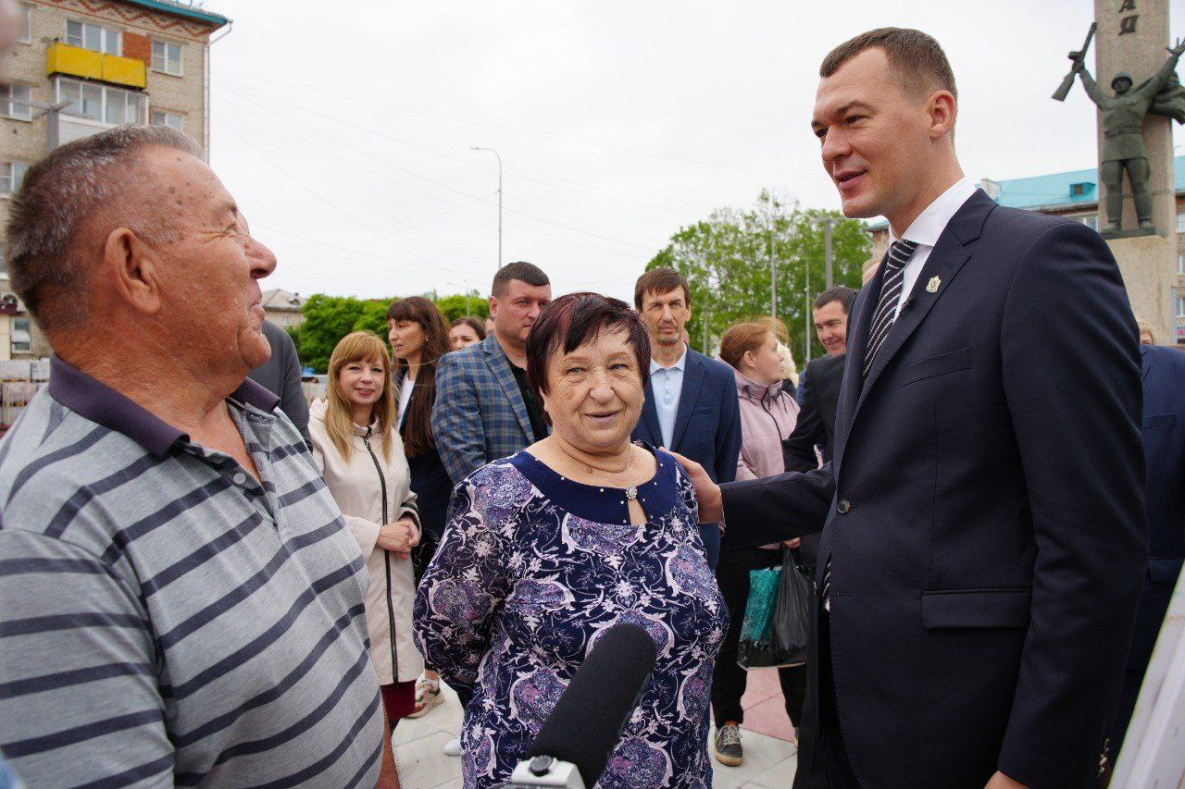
pixel 886 308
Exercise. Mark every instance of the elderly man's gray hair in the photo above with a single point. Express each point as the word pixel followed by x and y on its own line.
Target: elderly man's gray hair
pixel 94 176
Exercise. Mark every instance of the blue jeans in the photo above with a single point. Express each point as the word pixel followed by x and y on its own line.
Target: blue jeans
pixel 710 534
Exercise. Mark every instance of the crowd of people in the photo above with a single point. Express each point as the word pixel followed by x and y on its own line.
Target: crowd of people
pixel 208 581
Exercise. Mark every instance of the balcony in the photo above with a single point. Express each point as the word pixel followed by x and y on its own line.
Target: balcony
pixel 78 62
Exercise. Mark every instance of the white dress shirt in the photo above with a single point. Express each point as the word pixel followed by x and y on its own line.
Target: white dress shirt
pixel 667 384
pixel 925 231
pixel 404 398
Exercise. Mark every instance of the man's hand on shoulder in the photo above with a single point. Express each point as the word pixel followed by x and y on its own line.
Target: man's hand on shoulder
pixel 1001 781
pixel 707 492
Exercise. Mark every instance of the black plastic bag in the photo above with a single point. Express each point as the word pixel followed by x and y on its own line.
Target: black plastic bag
pixel 791 628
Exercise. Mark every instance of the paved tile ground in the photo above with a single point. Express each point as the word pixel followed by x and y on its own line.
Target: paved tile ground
pixel 769 759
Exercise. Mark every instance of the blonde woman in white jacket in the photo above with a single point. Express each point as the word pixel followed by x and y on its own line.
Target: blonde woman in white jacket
pixel 356 445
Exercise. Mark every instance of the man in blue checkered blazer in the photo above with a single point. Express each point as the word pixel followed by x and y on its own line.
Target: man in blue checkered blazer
pixel 485 407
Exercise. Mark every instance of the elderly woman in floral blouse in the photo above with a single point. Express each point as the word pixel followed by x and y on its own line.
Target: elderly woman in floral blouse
pixel 550 547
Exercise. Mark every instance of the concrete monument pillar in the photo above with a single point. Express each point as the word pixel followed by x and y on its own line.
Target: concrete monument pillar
pixel 1132 37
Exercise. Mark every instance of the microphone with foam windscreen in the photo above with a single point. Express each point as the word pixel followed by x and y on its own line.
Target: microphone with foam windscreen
pixel 582 731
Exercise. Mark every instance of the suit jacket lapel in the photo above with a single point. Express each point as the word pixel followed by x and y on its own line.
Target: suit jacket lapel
pixel 693 377
pixel 500 367
pixel 945 262
pixel 650 417
pixel 1145 362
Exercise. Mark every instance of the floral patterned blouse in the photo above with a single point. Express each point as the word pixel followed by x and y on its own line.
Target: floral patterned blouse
pixel 531 569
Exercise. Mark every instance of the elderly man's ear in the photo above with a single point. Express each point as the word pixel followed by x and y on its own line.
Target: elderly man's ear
pixel 133 268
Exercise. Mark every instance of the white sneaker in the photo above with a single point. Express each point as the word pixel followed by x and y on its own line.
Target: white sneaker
pixel 453 747
pixel 428 695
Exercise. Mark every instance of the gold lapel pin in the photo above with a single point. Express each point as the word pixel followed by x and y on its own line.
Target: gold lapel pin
pixel 932 285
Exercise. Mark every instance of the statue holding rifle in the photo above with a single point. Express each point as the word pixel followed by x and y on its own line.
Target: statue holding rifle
pixel 1123 128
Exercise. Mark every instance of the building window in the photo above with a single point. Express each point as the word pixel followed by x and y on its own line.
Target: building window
pixel 1181 221
pixel 1181 306
pixel 1181 262
pixel 174 120
pixel 101 103
pixel 20 338
pixel 26 31
pixel 1090 220
pixel 93 37
pixel 166 57
pixel 16 102
pixel 12 175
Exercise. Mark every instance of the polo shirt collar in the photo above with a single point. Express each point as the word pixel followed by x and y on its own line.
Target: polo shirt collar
pixel 103 405
pixel 680 365
pixel 929 225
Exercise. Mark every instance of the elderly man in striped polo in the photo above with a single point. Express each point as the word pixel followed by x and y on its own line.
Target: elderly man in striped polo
pixel 182 603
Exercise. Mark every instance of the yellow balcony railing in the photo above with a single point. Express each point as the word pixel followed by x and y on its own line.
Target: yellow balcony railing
pixel 78 62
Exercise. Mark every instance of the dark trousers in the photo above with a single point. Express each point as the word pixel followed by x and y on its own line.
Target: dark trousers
pixel 831 754
pixel 729 680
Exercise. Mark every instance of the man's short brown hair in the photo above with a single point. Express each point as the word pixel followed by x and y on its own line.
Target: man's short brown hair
pixel 660 281
pixel 918 62
pixel 520 270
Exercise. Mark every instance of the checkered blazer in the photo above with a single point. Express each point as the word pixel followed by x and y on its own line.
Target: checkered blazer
pixel 479 414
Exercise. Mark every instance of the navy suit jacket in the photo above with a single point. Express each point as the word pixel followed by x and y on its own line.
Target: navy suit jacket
pixel 820 383
pixel 1164 491
pixel 1164 455
pixel 708 422
pixel 983 513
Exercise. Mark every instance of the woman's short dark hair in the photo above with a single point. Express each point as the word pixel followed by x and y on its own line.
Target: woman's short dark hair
pixel 473 323
pixel 572 320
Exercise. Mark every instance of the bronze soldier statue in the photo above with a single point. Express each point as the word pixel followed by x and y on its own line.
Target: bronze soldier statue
pixel 1123 135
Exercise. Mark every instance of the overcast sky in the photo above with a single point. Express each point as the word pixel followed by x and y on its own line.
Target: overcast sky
pixel 343 129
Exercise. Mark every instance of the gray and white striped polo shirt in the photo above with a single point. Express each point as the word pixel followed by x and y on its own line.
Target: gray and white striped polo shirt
pixel 164 617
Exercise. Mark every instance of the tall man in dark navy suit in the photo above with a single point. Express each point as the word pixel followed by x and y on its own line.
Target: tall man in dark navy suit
pixel 983 525
pixel 691 401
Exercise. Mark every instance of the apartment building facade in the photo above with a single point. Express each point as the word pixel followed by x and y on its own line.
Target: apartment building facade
pixel 83 66
pixel 283 307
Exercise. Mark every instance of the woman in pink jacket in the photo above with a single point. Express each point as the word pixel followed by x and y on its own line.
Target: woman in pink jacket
pixel 768 415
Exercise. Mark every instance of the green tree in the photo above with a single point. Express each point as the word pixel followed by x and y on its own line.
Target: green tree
pixel 726 259
pixel 459 305
pixel 330 318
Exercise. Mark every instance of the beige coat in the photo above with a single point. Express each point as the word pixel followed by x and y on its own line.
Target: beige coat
pixel 356 489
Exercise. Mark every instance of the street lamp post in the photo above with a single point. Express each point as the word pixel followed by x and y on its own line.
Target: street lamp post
pixel 491 150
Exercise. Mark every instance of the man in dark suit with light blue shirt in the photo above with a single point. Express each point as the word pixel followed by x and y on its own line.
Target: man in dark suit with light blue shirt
pixel 691 401
pixel 984 538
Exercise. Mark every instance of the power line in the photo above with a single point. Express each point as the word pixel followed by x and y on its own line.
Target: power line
pixel 558 183
pixel 339 142
pixel 517 129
